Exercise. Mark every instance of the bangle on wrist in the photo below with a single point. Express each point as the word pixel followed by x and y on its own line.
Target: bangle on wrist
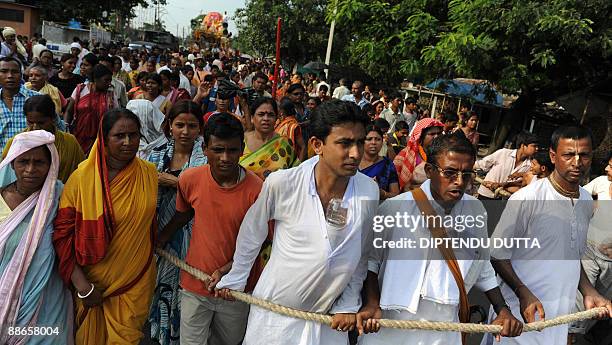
pixel 87 295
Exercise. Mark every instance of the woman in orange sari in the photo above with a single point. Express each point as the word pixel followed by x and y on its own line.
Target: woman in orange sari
pixel 288 126
pixel 103 235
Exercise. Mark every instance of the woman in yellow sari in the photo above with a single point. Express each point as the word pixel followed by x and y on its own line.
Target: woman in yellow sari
pixel 103 235
pixel 266 151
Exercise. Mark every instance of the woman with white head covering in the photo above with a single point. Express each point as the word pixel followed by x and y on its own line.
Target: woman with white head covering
pixel 31 289
pixel 12 47
pixel 151 119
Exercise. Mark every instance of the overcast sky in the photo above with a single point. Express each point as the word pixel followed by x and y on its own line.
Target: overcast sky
pixel 180 12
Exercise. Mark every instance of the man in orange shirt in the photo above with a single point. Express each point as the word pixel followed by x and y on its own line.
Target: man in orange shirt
pixel 217 196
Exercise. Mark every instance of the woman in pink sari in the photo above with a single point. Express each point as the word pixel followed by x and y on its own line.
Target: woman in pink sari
pixel 31 289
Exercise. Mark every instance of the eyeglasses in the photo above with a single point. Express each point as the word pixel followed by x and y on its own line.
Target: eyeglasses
pixel 297 93
pixel 452 174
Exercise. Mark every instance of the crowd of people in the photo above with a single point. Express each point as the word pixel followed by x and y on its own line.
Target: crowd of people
pixel 110 153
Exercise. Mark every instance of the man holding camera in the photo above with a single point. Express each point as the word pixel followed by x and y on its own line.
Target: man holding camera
pixel 207 93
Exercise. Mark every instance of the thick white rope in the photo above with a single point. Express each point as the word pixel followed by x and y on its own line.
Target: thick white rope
pixel 400 324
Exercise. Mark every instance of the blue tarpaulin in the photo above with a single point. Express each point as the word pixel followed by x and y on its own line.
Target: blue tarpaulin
pixel 73 24
pixel 480 92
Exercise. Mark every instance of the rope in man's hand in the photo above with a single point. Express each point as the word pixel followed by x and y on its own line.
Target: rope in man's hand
pixel 399 324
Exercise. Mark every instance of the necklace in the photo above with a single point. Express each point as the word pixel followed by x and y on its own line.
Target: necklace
pixel 561 190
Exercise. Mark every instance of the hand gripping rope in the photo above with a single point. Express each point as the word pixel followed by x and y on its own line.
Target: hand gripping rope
pixel 399 324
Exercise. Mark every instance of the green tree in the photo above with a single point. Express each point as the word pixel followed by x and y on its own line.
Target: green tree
pixel 195 22
pixel 91 11
pixel 304 30
pixel 536 49
pixel 160 26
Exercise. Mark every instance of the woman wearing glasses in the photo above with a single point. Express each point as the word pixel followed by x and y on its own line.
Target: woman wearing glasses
pixel 296 93
pixel 410 162
pixel 381 169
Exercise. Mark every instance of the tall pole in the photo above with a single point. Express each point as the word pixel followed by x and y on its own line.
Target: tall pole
pixel 277 64
pixel 156 14
pixel 330 41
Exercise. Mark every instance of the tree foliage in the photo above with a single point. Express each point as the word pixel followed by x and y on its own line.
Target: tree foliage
pixel 304 30
pixel 195 22
pixel 522 46
pixel 91 11
pixel 159 26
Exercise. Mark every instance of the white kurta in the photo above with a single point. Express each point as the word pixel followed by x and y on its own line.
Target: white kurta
pixel 538 211
pixel 418 285
pixel 304 271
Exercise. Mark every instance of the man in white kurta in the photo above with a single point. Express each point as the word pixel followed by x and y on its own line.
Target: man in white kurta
pixel 552 272
pixel 418 287
pixel 314 266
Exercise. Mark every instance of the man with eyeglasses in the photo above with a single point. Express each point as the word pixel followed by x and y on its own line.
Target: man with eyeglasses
pixel 421 282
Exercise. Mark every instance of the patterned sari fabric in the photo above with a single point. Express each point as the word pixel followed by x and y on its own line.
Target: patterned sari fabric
pixel 107 228
pixel 165 313
pixel 276 154
pixel 290 128
pixel 407 159
pixel 31 290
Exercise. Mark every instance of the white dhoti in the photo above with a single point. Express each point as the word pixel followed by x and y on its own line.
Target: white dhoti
pixel 556 301
pixel 428 310
pixel 265 328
